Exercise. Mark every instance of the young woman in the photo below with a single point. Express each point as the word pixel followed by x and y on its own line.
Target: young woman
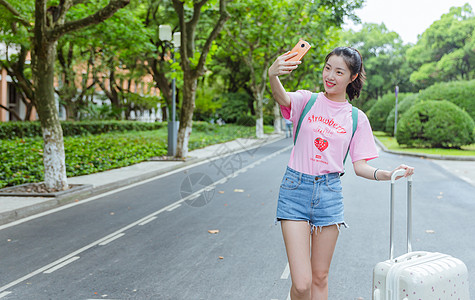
pixel 310 205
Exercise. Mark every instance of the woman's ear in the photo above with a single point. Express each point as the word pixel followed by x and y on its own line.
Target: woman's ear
pixel 354 77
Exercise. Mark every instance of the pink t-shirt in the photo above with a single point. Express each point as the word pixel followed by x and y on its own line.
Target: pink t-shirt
pixel 325 134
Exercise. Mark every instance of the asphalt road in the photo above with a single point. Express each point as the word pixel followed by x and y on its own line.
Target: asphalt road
pixel 152 240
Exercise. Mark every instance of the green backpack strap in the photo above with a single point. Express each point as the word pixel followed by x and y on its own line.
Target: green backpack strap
pixel 307 108
pixel 354 116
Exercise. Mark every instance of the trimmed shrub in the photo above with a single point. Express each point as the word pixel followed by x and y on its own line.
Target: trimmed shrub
pixel 460 93
pixel 368 104
pixel 22 159
pixel 378 114
pixel 436 124
pixel 402 107
pixel 12 130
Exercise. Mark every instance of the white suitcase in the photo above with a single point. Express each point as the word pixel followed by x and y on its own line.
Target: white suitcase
pixel 418 275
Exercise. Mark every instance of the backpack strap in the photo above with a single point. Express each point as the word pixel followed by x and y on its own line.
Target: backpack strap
pixel 307 108
pixel 354 116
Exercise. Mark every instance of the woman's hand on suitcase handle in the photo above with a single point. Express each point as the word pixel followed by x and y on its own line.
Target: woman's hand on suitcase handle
pixel 409 171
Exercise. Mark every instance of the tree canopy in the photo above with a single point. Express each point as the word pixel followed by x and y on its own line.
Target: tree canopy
pixel 446 50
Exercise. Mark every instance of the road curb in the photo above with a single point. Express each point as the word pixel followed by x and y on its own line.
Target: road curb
pixel 424 155
pixel 67 198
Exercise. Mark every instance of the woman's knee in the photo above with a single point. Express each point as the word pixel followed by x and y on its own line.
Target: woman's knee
pixel 320 278
pixel 302 286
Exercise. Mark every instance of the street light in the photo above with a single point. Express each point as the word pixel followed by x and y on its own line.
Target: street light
pixel 165 34
pixel 396 91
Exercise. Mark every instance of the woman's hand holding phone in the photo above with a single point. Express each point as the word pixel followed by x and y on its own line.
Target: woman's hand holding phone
pixel 283 66
pixel 289 61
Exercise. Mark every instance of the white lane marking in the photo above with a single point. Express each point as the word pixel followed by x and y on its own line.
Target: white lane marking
pixel 147 221
pixel 288 297
pixel 57 267
pixel 4 294
pixel 286 273
pixel 77 252
pixel 112 239
pixel 174 207
pixel 54 210
pixel 87 247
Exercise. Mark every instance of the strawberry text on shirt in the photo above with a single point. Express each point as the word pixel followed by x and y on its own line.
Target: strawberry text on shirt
pixel 330 122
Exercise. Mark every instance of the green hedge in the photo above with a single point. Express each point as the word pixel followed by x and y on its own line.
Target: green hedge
pixel 436 124
pixel 460 93
pixel 21 160
pixel 379 112
pixel 12 130
pixel 402 107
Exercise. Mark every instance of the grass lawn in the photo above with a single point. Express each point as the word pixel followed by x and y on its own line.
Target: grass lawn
pixel 391 143
pixel 22 159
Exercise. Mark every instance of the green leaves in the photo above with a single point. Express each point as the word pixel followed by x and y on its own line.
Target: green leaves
pixel 21 161
pixel 383 56
pixel 436 124
pixel 445 51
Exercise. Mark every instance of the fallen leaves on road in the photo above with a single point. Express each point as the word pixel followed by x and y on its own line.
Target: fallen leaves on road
pixel 238 190
pixel 220 257
pixel 213 231
pixel 221 192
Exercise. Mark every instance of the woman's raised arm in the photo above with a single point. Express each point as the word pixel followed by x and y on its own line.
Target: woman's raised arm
pixel 281 67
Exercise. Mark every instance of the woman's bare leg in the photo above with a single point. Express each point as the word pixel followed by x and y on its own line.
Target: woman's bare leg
pixel 297 243
pixel 323 246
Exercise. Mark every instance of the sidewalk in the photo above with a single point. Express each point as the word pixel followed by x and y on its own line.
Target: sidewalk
pixel 460 166
pixel 13 208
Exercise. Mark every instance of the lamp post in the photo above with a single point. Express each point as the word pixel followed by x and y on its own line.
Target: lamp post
pixel 396 91
pixel 165 34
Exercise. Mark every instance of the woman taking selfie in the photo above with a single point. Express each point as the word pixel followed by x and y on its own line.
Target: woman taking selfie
pixel 310 204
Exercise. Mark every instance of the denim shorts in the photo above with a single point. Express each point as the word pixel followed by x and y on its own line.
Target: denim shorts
pixel 315 199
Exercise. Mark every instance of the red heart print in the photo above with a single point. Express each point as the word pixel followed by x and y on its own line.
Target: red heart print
pixel 321 144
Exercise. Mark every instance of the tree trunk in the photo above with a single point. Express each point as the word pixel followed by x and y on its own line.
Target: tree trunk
pixel 259 115
pixel 190 83
pixel 53 149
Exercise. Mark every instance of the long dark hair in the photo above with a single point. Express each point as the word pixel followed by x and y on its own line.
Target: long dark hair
pixel 354 61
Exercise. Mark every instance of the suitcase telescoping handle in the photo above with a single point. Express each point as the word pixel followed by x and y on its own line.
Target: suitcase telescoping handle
pixel 409 213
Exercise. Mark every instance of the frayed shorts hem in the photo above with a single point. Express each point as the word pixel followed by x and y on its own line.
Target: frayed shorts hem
pixel 313 227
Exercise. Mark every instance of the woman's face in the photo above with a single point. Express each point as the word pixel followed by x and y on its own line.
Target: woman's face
pixel 336 77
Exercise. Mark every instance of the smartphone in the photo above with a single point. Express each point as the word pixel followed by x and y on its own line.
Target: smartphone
pixel 301 48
